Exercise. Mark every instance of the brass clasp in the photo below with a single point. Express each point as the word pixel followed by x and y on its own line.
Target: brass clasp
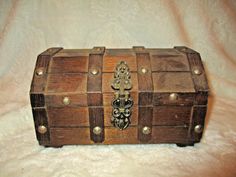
pixel 122 101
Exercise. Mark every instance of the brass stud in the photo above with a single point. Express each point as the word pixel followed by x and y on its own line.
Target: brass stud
pixel 197 71
pixel 42 129
pixel 66 100
pixel 94 71
pixel 144 70
pixel 97 130
pixel 173 96
pixel 198 128
pixel 39 71
pixel 146 130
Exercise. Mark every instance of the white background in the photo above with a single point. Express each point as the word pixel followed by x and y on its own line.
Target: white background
pixel 29 27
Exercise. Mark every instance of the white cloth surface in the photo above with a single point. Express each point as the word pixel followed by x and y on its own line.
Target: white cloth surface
pixel 29 27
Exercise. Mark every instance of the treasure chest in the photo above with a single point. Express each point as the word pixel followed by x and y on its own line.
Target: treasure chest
pixel 119 96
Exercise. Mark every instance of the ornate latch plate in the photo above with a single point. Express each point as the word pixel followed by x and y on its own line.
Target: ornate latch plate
pixel 122 102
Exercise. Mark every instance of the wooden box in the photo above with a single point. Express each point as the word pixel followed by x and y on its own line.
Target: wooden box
pixel 119 96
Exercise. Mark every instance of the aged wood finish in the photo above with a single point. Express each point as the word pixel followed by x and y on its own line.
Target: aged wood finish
pixel 170 94
pixel 168 134
pixel 94 94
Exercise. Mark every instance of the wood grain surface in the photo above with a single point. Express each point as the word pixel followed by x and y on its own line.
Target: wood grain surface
pixel 167 71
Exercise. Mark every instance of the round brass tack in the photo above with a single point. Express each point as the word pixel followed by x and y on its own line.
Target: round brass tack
pixel 94 71
pixel 197 71
pixel 97 130
pixel 42 129
pixel 66 100
pixel 198 128
pixel 146 130
pixel 39 71
pixel 144 70
pixel 173 96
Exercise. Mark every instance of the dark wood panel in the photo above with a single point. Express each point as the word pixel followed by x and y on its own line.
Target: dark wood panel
pixel 145 120
pixel 201 98
pixel 94 83
pixel 144 78
pixel 40 119
pixel 199 113
pixel 37 100
pixel 95 80
pixel 171 115
pixel 96 119
pixel 200 80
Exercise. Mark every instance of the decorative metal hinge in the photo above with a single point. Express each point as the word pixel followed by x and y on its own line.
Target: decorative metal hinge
pixel 122 102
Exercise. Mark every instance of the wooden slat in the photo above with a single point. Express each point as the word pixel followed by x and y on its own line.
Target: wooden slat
pixel 79 116
pixel 73 64
pixel 58 83
pixel 173 82
pixel 56 99
pixel 169 63
pixel 183 99
pixel 171 115
pixel 170 134
pixel 160 134
pixel 68 116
